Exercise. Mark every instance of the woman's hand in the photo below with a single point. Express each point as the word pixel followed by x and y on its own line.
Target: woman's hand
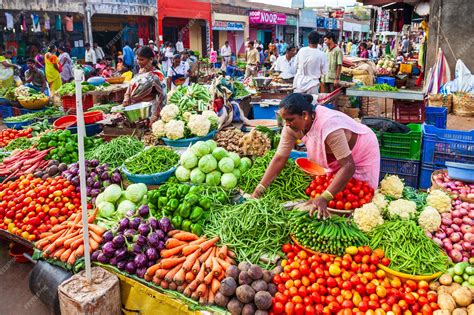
pixel 318 204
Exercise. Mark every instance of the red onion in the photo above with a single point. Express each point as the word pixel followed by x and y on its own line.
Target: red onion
pixel 438 241
pixel 467 221
pixel 465 229
pixel 455 237
pixel 456 214
pixel 457 221
pixel 455 227
pixel 446 221
pixel 440 235
pixel 449 231
pixel 465 259
pixel 455 255
pixel 466 245
pixel 469 237
pixel 463 212
pixel 448 246
pixel 471 214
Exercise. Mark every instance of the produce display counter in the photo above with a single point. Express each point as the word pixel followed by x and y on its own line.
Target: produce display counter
pixel 111 93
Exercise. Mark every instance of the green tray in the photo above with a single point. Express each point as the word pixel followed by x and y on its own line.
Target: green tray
pixel 401 145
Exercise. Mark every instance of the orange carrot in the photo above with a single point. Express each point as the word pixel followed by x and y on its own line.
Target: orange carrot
pixel 231 254
pixel 215 285
pixel 80 251
pixel 200 240
pixel 92 217
pixel 50 249
pixel 201 290
pixel 190 276
pixel 155 279
pixel 222 252
pixel 203 257
pixel 208 278
pixel 211 297
pixel 57 228
pixel 185 236
pixel 173 232
pixel 60 241
pixel 208 244
pixel 72 258
pixel 221 276
pixel 57 254
pixel 173 286
pixel 42 243
pixel 151 271
pixel 172 243
pixel 167 253
pixel 65 256
pixel 230 260
pixel 95 236
pixel 200 276
pixel 181 288
pixel 94 244
pixel 45 234
pixel 170 275
pixel 190 249
pixel 191 259
pixel 196 267
pixel 164 284
pixel 208 262
pixel 224 264
pixel 187 291
pixel 216 267
pixel 67 243
pixel 195 296
pixel 75 244
pixel 179 277
pixel 169 263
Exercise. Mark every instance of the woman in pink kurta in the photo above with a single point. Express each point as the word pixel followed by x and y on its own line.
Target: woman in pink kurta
pixel 333 140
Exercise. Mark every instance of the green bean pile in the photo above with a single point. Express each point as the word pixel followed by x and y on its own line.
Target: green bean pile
pixel 290 185
pixel 22 143
pixel 254 228
pixel 408 248
pixel 152 160
pixel 116 151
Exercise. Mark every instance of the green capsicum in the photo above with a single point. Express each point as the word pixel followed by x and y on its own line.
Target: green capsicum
pixel 192 199
pixel 152 196
pixel 185 210
pixel 195 190
pixel 186 225
pixel 196 228
pixel 173 203
pixel 205 203
pixel 172 192
pixel 221 197
pixel 162 190
pixel 196 214
pixel 183 190
pixel 167 211
pixel 162 201
pixel 177 221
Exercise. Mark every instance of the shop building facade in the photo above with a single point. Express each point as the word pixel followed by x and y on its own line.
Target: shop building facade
pixel 229 23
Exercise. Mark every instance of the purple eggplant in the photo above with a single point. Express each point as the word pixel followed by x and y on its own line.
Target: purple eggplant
pixel 97 184
pixel 129 234
pixel 151 253
pixel 108 236
pixel 135 223
pixel 124 224
pixel 90 182
pixel 121 253
pixel 153 223
pixel 94 163
pixel 75 180
pixel 140 240
pixel 143 229
pixel 161 245
pixel 150 263
pixel 130 213
pixel 160 234
pixel 104 176
pixel 165 224
pixel 141 272
pixel 108 249
pixel 116 178
pixel 121 265
pixel 102 258
pixel 113 261
pixel 153 239
pixel 95 255
pixel 130 267
pixel 95 192
pixel 140 260
pixel 144 211
pixel 137 249
pixel 74 170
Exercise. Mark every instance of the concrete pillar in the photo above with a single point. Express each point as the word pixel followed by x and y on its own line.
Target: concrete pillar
pixel 88 25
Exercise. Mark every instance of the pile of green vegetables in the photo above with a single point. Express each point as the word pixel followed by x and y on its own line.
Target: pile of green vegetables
pixel 253 229
pixel 195 97
pixel 70 88
pixel 50 112
pixel 21 118
pixel 379 87
pixel 408 248
pixel 288 186
pixel 152 160
pixel 331 236
pixel 40 127
pixel 8 93
pixel 105 108
pixel 65 145
pixel 22 143
pixel 239 90
pixel 116 151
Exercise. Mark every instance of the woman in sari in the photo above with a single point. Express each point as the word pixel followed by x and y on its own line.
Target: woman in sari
pixel 146 84
pixel 52 71
pixel 39 60
pixel 66 64
pixel 7 69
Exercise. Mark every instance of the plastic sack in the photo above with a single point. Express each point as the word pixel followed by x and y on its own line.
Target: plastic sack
pixel 463 82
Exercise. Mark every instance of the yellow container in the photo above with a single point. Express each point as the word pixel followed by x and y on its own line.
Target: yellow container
pixel 406 68
pixel 404 276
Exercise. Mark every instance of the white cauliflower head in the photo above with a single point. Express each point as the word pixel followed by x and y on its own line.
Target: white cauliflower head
pixel 186 116
pixel 169 112
pixel 380 201
pixel 392 186
pixel 439 200
pixel 429 219
pixel 199 125
pixel 174 129
pixel 213 118
pixel 402 209
pixel 367 217
pixel 158 128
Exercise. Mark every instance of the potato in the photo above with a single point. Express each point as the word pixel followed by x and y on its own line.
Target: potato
pixel 235 306
pixel 259 285
pixel 442 289
pixel 244 278
pixel 470 309
pixel 462 296
pixel 267 276
pixel 441 312
pixel 460 311
pixel 272 289
pixel 263 300
pixel 434 285
pixel 446 302
pixel 249 309
pixel 244 266
pixel 221 300
pixel 228 286
pixel 255 272
pixel 245 293
pixel 233 272
pixel 260 312
pixel 445 279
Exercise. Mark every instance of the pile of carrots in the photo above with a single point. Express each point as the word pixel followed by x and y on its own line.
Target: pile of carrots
pixel 65 241
pixel 191 265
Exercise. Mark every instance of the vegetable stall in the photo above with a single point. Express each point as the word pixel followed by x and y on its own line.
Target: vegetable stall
pixel 177 221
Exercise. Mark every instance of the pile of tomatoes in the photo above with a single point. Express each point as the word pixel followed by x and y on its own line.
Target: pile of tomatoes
pixel 30 206
pixel 7 135
pixel 352 284
pixel 354 195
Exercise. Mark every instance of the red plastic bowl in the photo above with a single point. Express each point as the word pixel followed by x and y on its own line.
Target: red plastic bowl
pixel 93 117
pixel 65 122
pixel 17 250
pixel 309 167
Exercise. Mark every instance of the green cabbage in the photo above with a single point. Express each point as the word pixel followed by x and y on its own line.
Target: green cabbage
pixel 112 193
pixel 245 164
pixel 235 157
pixel 200 148
pixel 197 176
pixel 237 173
pixel 189 160
pixel 207 163
pixel 212 144
pixel 213 178
pixel 182 174
pixel 126 206
pixel 136 192
pixel 106 209
pixel 226 165
pixel 219 153
pixel 99 199
pixel 228 181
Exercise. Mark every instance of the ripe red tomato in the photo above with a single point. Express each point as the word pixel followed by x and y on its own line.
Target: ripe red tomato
pixel 348 205
pixel 278 308
pixel 339 205
pixel 299 309
pixel 310 310
pixel 332 204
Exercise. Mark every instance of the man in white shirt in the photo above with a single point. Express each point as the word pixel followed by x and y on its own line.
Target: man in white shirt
pixel 99 53
pixel 179 46
pixel 286 64
pixel 90 55
pixel 311 64
pixel 226 54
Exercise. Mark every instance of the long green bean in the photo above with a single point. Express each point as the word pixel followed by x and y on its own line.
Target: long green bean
pixel 116 151
pixel 288 186
pixel 152 160
pixel 408 248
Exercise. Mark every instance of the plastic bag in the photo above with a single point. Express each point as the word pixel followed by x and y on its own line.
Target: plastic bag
pixel 463 82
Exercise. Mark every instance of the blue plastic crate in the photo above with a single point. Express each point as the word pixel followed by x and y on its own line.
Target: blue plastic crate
pixel 408 170
pixel 425 174
pixel 442 145
pixel 91 130
pixel 18 125
pixel 264 112
pixel 330 106
pixel 6 111
pixel 387 80
pixel 436 116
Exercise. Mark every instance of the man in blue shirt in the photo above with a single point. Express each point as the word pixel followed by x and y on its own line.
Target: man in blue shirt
pixel 128 55
pixel 282 47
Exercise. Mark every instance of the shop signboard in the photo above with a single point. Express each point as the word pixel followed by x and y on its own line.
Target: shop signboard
pixel 227 26
pixel 265 17
pixel 307 18
pixel 291 20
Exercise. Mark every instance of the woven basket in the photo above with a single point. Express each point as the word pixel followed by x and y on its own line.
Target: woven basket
pixel 115 80
pixel 35 104
pixel 441 100
pixel 463 104
pixel 435 186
